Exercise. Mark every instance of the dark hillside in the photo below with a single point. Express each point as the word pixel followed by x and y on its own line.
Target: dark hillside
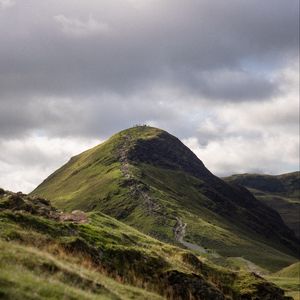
pixel 281 192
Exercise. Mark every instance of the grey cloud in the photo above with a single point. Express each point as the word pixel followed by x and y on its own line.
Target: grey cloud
pixel 232 86
pixel 167 43
pixel 97 117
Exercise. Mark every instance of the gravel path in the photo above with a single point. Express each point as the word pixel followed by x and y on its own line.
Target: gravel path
pixel 179 233
pixel 138 190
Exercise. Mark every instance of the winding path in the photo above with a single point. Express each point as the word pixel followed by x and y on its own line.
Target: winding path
pixel 136 187
pixel 179 233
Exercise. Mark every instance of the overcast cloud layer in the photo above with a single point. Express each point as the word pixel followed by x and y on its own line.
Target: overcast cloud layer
pixel 223 76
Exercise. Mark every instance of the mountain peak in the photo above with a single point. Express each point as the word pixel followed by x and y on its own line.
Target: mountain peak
pixel 149 179
pixel 154 146
pixel 141 131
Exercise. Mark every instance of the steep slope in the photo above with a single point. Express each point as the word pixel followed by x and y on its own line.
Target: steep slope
pixel 147 178
pixel 281 192
pixel 48 254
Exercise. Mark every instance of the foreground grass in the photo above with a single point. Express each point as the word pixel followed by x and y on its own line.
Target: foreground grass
pixel 290 285
pixel 44 257
pixel 28 273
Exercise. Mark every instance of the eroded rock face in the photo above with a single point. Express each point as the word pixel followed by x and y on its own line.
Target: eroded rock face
pixel 19 202
pixel 76 216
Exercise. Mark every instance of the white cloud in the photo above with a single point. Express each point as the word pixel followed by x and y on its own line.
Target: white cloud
pixel 267 154
pixel 24 163
pixel 254 136
pixel 6 3
pixel 77 28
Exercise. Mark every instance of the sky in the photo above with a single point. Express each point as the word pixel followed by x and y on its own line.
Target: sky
pixel 223 76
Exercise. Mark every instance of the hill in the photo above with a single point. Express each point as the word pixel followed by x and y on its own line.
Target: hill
pixel 281 192
pixel 148 179
pixel 289 279
pixel 49 254
pixel 292 271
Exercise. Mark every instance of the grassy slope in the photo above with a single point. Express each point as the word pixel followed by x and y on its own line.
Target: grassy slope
pixel 35 258
pixel 292 271
pixel 43 258
pixel 206 227
pixel 281 192
pixel 288 279
pixel 93 181
pixel 81 178
pixel 30 273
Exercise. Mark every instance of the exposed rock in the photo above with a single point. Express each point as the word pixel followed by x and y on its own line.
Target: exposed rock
pixel 179 233
pixel 76 216
pixel 19 202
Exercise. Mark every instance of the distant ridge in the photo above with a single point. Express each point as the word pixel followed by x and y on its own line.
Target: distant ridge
pixel 281 192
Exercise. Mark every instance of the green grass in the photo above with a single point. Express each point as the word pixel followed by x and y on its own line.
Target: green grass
pixel 28 273
pixel 288 279
pixel 292 271
pixel 290 285
pixel 180 196
pixel 94 172
pixel 42 258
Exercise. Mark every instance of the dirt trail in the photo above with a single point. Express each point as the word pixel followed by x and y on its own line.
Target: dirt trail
pixel 137 189
pixel 123 157
pixel 179 233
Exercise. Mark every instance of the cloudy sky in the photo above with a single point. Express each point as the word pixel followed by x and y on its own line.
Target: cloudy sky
pixel 223 76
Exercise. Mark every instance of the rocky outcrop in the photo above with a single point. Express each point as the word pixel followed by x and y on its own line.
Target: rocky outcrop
pixel 179 233
pixel 19 202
